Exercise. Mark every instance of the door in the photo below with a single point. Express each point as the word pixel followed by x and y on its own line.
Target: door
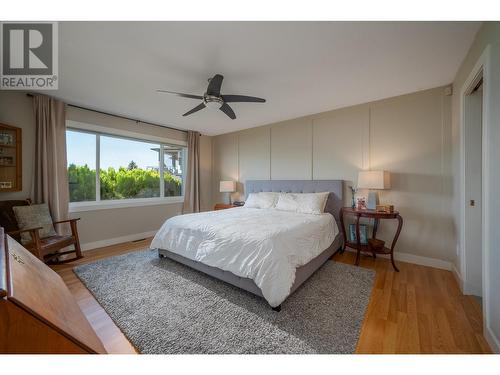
pixel 473 191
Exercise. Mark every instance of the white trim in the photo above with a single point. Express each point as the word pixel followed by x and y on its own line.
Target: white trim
pixel 122 203
pixel 416 259
pixel 97 168
pixel 99 204
pixel 423 261
pixel 162 171
pixel 458 277
pixel 482 64
pixel 493 341
pixel 123 133
pixel 117 240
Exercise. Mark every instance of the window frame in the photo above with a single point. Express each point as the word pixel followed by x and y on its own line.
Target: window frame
pixel 99 204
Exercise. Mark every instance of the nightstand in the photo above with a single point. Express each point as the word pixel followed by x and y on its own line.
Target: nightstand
pixel 370 214
pixel 223 206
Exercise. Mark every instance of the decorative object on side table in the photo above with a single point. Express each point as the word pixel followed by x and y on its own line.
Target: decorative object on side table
pixel 361 204
pixel 373 180
pixel 373 247
pixel 353 193
pixel 363 233
pixel 376 244
pixel 385 208
pixel 227 187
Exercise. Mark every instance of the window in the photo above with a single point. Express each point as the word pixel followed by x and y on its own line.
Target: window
pixel 129 169
pixel 81 154
pixel 107 168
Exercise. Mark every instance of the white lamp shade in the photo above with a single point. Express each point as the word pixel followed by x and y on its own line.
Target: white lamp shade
pixel 374 180
pixel 227 186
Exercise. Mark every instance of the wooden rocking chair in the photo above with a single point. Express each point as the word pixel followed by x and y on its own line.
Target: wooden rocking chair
pixel 46 249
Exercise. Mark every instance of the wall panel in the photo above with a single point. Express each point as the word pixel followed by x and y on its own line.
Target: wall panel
pixel 291 150
pixel 225 163
pixel 254 146
pixel 339 143
pixel 408 135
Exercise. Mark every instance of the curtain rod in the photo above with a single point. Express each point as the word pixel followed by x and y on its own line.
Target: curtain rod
pixel 120 116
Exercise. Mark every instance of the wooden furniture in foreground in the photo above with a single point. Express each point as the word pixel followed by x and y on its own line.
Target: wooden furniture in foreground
pixel 10 158
pixel 46 249
pixel 38 314
pixel 370 214
pixel 223 206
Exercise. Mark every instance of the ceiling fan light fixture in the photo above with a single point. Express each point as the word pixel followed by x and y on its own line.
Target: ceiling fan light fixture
pixel 213 98
pixel 213 102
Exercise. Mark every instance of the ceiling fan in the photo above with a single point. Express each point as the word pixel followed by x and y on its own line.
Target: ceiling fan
pixel 213 98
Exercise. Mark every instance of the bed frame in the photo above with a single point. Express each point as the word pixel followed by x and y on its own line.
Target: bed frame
pixel 333 205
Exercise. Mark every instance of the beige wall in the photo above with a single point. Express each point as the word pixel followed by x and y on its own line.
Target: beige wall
pixel 102 225
pixel 97 227
pixel 408 135
pixel 488 35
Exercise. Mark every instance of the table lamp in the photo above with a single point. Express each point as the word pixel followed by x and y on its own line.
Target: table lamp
pixel 227 187
pixel 373 180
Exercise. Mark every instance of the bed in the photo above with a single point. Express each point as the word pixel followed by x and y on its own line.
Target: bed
pixel 267 252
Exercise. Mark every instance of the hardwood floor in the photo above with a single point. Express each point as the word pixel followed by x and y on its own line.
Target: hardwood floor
pixel 418 310
pixel 112 338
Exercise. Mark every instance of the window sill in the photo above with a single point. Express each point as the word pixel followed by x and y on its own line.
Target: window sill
pixel 124 203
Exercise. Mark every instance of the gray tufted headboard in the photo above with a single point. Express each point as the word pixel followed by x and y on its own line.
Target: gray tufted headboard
pixel 335 187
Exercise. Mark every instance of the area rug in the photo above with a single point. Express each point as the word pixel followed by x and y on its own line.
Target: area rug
pixel 164 307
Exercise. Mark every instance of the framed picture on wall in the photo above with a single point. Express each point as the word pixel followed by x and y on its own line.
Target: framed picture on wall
pixel 363 233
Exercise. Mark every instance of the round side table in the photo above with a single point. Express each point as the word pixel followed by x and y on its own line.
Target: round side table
pixel 370 214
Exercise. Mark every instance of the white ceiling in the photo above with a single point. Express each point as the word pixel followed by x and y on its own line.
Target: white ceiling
pixel 301 68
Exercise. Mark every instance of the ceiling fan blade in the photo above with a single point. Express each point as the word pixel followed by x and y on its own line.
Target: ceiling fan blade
pixel 181 94
pixel 195 109
pixel 242 99
pixel 214 85
pixel 228 111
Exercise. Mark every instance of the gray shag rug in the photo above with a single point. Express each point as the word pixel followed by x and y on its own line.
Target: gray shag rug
pixel 164 307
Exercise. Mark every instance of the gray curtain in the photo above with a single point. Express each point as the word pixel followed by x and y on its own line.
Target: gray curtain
pixel 192 188
pixel 50 182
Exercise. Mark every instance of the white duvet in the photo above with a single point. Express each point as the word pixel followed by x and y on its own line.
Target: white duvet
pixel 265 245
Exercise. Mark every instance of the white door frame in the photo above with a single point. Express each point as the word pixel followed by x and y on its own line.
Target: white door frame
pixel 481 68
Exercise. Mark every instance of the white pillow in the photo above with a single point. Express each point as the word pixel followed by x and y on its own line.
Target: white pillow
pixel 306 203
pixel 261 200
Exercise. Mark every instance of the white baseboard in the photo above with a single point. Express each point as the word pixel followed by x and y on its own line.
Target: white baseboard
pixel 423 261
pixel 466 288
pixel 117 240
pixel 492 340
pixel 458 277
pixel 490 337
pixel 417 259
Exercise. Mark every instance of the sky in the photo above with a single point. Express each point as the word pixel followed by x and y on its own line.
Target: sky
pixel 115 152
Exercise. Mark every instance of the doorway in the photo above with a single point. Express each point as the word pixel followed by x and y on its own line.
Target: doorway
pixel 473 189
pixel 475 183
